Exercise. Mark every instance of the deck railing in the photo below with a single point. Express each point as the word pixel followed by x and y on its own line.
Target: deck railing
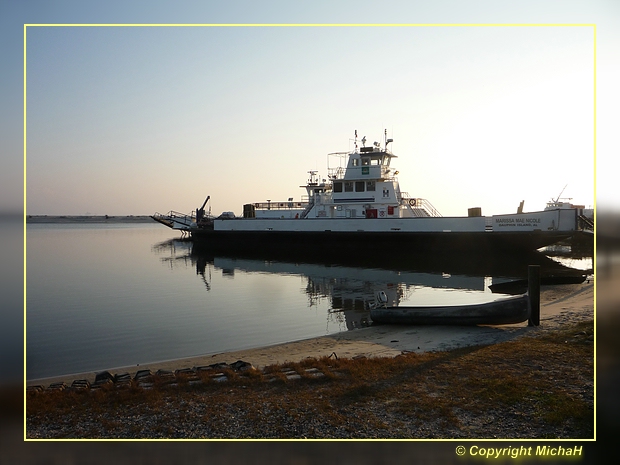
pixel 280 205
pixel 420 207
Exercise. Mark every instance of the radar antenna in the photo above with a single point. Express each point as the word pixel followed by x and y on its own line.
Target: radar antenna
pixel 387 141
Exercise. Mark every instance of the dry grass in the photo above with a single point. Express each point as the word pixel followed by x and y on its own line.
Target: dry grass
pixel 533 387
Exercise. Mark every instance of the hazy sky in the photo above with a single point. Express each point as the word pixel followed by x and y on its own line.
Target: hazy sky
pixel 133 120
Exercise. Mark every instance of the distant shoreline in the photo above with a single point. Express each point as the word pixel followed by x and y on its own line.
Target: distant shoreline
pixel 88 219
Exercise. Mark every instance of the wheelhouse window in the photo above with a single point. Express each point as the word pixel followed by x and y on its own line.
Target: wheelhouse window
pixel 337 187
pixel 370 186
pixel 359 186
pixel 348 186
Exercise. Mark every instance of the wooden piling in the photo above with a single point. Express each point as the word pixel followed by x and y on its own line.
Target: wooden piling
pixel 533 290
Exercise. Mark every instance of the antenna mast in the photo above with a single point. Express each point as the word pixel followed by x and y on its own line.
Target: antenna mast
pixel 556 200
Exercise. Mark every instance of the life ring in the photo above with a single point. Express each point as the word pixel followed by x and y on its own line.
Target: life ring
pixel 412 202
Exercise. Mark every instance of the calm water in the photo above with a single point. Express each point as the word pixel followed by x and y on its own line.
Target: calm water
pixel 101 296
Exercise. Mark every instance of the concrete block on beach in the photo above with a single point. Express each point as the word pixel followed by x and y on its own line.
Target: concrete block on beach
pixel 103 376
pixel 80 384
pixel 123 379
pixel 142 375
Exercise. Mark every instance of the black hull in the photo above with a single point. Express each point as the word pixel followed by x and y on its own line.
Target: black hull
pixel 364 242
pixel 508 311
pixel 502 264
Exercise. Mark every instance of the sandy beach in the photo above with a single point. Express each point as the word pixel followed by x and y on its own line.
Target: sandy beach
pixel 560 304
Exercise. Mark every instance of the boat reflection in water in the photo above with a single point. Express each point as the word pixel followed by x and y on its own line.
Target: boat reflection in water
pixel 349 285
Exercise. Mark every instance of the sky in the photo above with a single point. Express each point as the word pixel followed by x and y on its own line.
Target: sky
pixel 135 120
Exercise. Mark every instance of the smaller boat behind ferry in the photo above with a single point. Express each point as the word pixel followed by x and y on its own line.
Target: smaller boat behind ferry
pixel 360 207
pixel 584 215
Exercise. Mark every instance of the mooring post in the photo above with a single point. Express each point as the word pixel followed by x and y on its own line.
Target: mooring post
pixel 533 291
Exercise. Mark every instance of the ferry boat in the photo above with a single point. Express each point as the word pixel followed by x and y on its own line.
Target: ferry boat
pixel 360 207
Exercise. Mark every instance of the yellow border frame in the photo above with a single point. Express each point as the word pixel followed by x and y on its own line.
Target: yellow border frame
pixel 593 25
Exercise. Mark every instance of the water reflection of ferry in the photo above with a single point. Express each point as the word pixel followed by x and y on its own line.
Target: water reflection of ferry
pixel 350 286
pixel 349 290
